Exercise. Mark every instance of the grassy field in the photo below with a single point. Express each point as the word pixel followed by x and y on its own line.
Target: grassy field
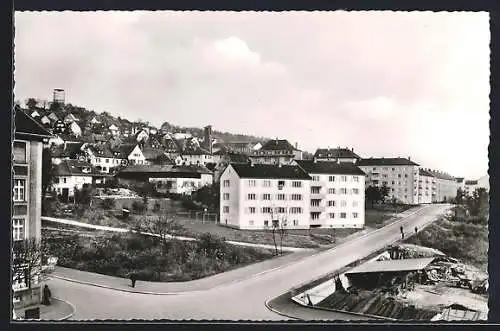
pixel 381 215
pixel 459 237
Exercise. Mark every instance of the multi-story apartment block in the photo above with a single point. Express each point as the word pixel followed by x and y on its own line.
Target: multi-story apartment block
pixel 336 155
pixel 426 187
pixel 27 153
pixel 337 194
pixel 276 151
pixel 400 175
pixel 446 186
pixel 258 196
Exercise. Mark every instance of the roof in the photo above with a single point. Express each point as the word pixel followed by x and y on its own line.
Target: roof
pixel 471 182
pixel 237 158
pixel 123 151
pixel 441 175
pixel 70 150
pixel 151 153
pixel 392 266
pixel 196 151
pixel 270 171
pixel 326 167
pixel 423 172
pixel 386 161
pixel 102 151
pixel 335 153
pixel 164 170
pixel 72 168
pixel 277 145
pixel 27 128
pixel 459 179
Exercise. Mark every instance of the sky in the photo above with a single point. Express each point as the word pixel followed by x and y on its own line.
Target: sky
pixel 388 84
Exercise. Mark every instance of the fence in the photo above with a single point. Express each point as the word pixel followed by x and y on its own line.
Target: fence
pixel 196 216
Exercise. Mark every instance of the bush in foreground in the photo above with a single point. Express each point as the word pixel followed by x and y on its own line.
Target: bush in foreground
pixel 120 254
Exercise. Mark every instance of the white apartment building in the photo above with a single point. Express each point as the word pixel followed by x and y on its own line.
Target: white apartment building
pixel 258 196
pixel 400 175
pixel 446 186
pixel 426 187
pixel 337 194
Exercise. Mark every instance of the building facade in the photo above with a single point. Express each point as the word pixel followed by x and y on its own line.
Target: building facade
pixel 276 151
pixel 27 153
pixel 446 186
pixel 337 197
pixel 70 175
pixel 400 175
pixel 336 155
pixel 260 196
pixel 426 187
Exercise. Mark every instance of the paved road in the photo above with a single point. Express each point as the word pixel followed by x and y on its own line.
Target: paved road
pixel 236 301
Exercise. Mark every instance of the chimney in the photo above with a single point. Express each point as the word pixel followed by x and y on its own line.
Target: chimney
pixel 296 145
pixel 352 149
pixel 409 159
pixel 276 140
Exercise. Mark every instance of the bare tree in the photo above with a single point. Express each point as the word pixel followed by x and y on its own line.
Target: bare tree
pixel 278 229
pixel 27 260
pixel 282 231
pixel 165 227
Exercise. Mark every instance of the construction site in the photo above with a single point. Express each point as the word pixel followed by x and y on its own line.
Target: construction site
pixel 408 282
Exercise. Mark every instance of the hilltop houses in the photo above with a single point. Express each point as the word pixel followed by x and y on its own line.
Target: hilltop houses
pixel 276 151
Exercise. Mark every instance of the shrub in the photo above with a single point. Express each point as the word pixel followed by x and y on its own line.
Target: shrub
pixel 108 203
pixel 138 207
pixel 156 207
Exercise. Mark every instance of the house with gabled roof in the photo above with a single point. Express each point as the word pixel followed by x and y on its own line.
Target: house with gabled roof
pixel 276 151
pixel 260 196
pixel 102 158
pixel 70 118
pixel 53 117
pixel 132 153
pixel 69 175
pixel 35 114
pixel 45 120
pixel 336 155
pixel 196 156
pixel 114 130
pixel 75 129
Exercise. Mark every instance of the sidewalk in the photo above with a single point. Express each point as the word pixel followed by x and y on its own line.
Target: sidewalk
pixel 59 310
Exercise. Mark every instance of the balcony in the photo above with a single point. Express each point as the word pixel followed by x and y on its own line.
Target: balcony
pixel 318 183
pixel 319 196
pixel 317 209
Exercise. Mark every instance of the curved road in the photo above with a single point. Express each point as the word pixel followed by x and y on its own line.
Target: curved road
pixel 236 301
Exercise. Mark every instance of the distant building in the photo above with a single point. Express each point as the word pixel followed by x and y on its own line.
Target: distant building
pixel 426 187
pixel 26 200
pixel 336 155
pixel 115 131
pixel 258 196
pixel 197 156
pixel 471 185
pixel 276 151
pixel 400 175
pixel 337 197
pixel 70 118
pixel 445 186
pixel 70 175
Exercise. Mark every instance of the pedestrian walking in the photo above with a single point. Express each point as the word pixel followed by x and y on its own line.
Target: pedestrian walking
pixel 416 230
pixel 46 295
pixel 401 229
pixel 133 278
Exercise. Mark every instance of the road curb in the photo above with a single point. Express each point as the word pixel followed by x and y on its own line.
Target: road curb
pixel 73 310
pixel 268 306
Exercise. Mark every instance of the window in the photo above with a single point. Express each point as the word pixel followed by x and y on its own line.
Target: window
pixel 251 196
pixel 355 178
pixel 251 223
pixel 331 178
pixel 281 184
pixel 374 169
pixel 315 216
pixel 296 197
pixel 225 209
pixel 343 215
pixel 64 180
pixel 315 202
pixel 18 231
pixel 296 184
pixel 343 203
pixel 251 210
pixel 267 183
pixel 19 190
pixel 266 223
pixel 331 203
pixel 343 191
pixel 295 210
pixel 225 183
pixel 355 215
pixel 332 215
pixel 331 191
pixel 251 182
pixel 295 222
pixel 399 175
pixel 355 191
pixel 225 196
pixel 266 196
pixel 281 196
pixel 406 175
pixel 106 160
pixel 19 151
pixel 354 203
pixel 98 160
pixel 343 178
pixel 266 210
pixel 315 190
pixel 315 178
pixel 280 210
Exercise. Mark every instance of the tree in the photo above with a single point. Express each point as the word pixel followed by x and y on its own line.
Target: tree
pixel 209 196
pixel 478 202
pixel 164 227
pixel 31 103
pixel 278 229
pixel 282 231
pixel 459 199
pixel 47 169
pixel 372 194
pixel 384 192
pixel 28 256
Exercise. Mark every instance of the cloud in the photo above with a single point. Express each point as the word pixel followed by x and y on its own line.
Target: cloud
pixel 406 83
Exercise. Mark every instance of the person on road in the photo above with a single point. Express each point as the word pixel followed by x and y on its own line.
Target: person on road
pixel 133 278
pixel 416 230
pixel 46 295
pixel 402 232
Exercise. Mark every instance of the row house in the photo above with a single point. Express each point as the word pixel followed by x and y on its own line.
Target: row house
pixel 27 150
pixel 337 197
pixel 336 155
pixel 168 178
pixel 400 175
pixel 446 186
pixel 276 151
pixel 260 196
